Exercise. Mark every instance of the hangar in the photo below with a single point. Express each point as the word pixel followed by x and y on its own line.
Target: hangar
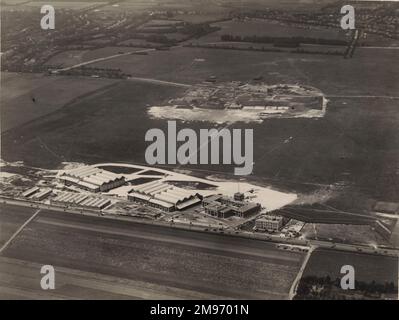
pixel 67 199
pixel 92 179
pixel 164 196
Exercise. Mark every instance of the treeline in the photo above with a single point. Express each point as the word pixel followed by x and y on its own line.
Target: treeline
pixel 189 31
pixel 318 288
pixel 263 49
pixel 284 41
pixel 96 72
pixel 199 30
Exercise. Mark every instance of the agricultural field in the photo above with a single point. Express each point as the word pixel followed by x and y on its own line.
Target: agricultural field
pixel 368 267
pixel 261 27
pixel 11 220
pixel 333 75
pixel 160 262
pixel 363 234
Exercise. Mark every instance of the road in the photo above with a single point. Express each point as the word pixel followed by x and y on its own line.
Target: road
pixel 295 284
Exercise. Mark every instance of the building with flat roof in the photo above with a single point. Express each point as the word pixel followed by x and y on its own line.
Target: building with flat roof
pixel 164 196
pixel 223 207
pixel 92 179
pixel 271 223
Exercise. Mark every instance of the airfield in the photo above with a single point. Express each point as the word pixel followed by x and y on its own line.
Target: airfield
pixel 356 135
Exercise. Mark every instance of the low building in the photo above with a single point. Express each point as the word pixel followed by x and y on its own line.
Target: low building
pixel 222 206
pixel 271 223
pixel 41 195
pixel 164 196
pixel 67 199
pixel 92 179
pixel 30 192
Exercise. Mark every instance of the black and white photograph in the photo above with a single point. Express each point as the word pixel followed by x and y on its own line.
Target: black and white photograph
pixel 216 151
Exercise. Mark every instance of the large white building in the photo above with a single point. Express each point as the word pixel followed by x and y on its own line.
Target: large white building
pixel 269 223
pixel 92 179
pixel 164 196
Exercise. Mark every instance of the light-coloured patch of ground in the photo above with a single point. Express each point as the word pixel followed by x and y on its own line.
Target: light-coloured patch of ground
pixel 236 102
pixel 205 115
pixel 5 175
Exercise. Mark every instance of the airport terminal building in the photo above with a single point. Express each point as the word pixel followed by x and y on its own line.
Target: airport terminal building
pixel 223 207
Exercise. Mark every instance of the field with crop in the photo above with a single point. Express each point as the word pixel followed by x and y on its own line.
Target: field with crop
pixel 262 27
pixel 146 261
pixel 368 267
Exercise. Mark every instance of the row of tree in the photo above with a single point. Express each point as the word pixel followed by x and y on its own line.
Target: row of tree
pixel 293 41
pixel 313 287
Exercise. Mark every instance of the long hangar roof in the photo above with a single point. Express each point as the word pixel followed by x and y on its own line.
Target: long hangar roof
pixel 163 193
pixel 90 177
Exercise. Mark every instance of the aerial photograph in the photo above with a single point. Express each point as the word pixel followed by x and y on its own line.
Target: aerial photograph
pixel 207 150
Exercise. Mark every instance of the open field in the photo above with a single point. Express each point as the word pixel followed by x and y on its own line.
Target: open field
pixel 148 261
pixel 73 57
pixel 30 96
pixel 261 27
pixel 11 218
pixel 333 75
pixel 343 233
pixel 356 141
pixel 368 267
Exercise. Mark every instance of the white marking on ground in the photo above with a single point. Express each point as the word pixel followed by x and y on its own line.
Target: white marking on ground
pixel 19 230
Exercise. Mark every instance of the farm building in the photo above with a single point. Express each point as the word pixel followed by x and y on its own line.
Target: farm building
pixel 92 179
pixel 164 196
pixel 81 200
pixel 222 207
